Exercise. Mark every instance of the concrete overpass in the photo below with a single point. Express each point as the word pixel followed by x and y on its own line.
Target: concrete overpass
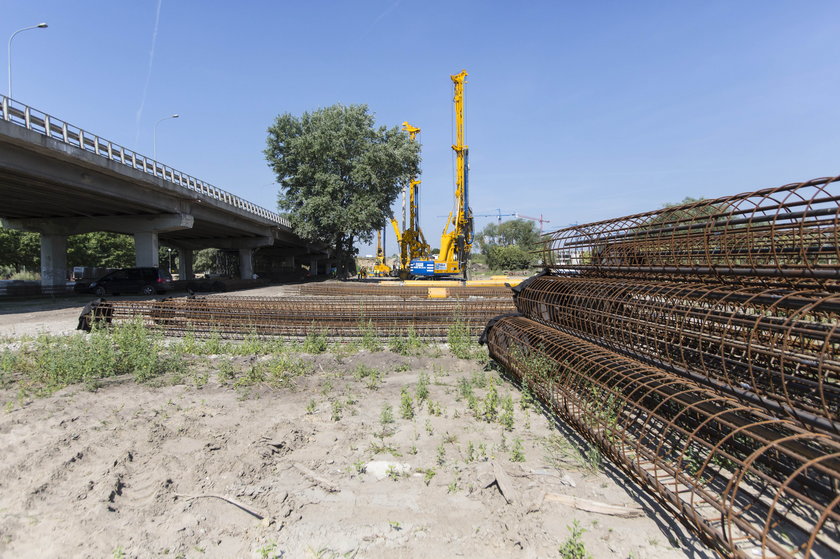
pixel 57 179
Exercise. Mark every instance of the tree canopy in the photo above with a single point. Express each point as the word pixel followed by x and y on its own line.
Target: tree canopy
pixel 507 244
pixel 338 173
pixel 20 250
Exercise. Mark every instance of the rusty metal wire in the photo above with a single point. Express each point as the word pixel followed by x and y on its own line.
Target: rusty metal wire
pixel 380 290
pixel 751 484
pixel 785 236
pixel 779 348
pixel 340 317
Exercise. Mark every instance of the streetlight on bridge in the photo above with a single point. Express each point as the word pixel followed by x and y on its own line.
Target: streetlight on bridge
pixel 154 135
pixel 39 26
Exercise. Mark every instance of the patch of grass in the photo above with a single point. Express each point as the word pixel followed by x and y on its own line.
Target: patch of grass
pixel 311 407
pixel 441 454
pixel 267 551
pixel 517 453
pixel 371 376
pixel 315 341
pixel 382 448
pixel 573 547
pixel 408 344
pixel 369 340
pixel 490 407
pixel 506 417
pixel 461 344
pixel 428 474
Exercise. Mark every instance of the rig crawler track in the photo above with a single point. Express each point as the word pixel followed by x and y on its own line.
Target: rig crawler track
pixel 751 484
pixel 339 317
pixel 775 347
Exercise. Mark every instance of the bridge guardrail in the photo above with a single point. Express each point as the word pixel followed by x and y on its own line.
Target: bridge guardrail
pixel 57 129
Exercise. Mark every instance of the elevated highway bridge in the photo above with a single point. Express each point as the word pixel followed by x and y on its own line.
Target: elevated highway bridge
pixel 57 179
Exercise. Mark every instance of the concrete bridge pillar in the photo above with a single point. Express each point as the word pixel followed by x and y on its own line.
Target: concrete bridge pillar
pixel 185 263
pixel 146 249
pixel 53 260
pixel 313 267
pixel 246 263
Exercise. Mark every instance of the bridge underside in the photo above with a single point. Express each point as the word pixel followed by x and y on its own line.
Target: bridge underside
pixel 58 191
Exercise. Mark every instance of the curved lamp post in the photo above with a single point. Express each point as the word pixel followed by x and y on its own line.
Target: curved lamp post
pixel 154 135
pixel 39 26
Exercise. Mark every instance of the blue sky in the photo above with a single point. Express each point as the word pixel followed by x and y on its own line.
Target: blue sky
pixel 575 110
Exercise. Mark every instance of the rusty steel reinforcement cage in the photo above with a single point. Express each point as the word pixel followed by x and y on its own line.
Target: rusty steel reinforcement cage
pixel 396 290
pixel 778 348
pixel 340 317
pixel 752 485
pixel 786 236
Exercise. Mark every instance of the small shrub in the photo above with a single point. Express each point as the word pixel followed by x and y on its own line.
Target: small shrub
pixel 422 391
pixel 506 417
pixel 517 453
pixel 387 415
pixel 315 341
pixel 573 547
pixel 406 405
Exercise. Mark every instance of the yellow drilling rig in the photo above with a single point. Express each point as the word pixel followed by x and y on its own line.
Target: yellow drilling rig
pixel 411 240
pixel 380 268
pixel 455 243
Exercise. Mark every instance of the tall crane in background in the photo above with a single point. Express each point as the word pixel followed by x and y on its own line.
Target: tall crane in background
pixel 498 214
pixel 455 243
pixel 412 243
pixel 540 219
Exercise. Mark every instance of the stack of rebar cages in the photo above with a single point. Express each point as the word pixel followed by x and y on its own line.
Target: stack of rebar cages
pixel 697 347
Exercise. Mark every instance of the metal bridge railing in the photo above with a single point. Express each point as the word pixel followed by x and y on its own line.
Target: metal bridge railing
pixel 52 127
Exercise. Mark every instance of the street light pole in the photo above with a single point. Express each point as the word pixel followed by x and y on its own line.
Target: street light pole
pixel 39 26
pixel 154 135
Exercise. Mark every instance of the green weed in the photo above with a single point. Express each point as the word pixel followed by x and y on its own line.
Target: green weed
pixel 573 547
pixel 406 405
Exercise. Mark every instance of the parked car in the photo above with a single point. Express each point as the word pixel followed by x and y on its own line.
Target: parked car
pixel 147 281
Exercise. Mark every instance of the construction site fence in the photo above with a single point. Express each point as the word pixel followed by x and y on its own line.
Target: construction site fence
pixel 778 348
pixel 751 484
pixel 786 236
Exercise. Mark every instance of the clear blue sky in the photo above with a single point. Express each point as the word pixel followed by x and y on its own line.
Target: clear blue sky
pixel 575 110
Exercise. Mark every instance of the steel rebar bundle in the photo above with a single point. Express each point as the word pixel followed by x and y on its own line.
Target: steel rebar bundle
pixel 372 289
pixel 751 484
pixel 784 236
pixel 776 347
pixel 298 316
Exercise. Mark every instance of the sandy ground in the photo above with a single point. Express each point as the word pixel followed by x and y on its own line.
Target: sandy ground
pixel 135 470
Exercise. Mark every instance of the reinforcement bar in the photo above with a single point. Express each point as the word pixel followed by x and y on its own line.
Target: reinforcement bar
pixel 775 347
pixel 397 290
pixel 785 236
pixel 238 317
pixel 750 484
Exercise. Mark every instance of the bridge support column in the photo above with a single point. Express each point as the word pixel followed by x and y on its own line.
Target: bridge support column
pixel 185 263
pixel 146 249
pixel 246 263
pixel 53 260
pixel 313 267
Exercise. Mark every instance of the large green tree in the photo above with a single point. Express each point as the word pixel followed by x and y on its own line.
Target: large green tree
pixel 339 174
pixel 507 245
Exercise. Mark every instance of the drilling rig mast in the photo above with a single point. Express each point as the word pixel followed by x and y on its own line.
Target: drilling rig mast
pixel 455 243
pixel 411 240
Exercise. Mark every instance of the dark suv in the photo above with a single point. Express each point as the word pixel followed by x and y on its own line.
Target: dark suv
pixel 147 281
